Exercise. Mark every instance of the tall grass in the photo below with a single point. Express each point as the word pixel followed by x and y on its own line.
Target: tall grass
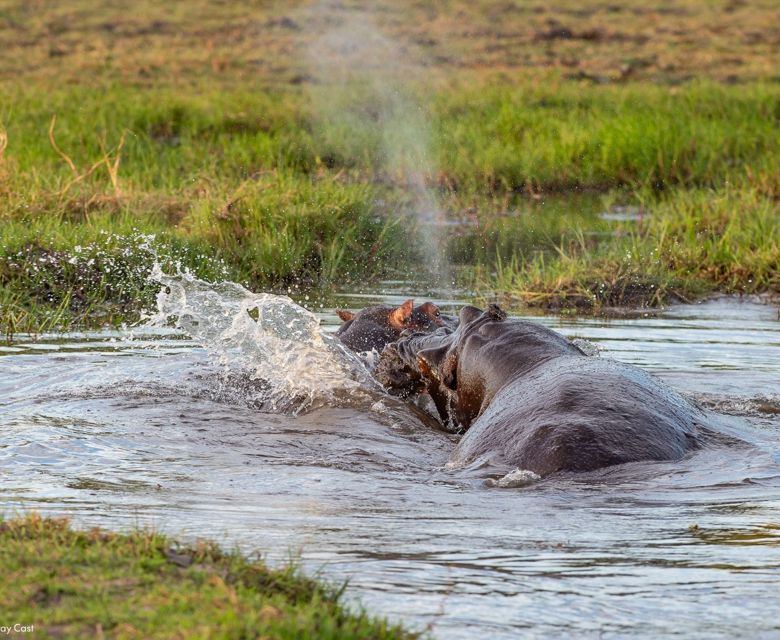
pixel 551 136
pixel 278 190
pixel 561 135
pixel 691 243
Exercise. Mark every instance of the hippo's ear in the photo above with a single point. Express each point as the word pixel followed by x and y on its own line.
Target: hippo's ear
pixel 400 316
pixel 495 312
pixel 432 313
pixel 345 316
pixel 429 309
pixel 469 313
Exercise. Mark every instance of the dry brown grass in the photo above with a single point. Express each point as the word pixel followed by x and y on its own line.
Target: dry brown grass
pixel 149 42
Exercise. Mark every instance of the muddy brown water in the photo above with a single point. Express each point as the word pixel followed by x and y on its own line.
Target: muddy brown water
pixel 120 430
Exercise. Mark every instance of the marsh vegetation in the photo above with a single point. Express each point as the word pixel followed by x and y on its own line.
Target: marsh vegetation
pixel 576 157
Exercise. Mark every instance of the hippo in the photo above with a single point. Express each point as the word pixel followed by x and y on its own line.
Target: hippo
pixel 375 327
pixel 527 397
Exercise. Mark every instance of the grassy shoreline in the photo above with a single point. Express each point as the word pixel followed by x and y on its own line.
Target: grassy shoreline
pixel 84 584
pixel 301 176
pixel 70 252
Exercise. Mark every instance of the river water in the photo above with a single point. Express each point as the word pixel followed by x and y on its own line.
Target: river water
pixel 148 427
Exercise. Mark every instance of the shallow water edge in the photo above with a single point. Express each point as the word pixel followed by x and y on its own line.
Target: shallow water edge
pixel 122 430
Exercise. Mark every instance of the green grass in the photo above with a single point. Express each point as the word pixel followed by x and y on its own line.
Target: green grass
pixel 565 136
pixel 316 184
pixel 691 243
pixel 87 584
pixel 557 135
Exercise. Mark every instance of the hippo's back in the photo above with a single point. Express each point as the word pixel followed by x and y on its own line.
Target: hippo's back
pixel 580 413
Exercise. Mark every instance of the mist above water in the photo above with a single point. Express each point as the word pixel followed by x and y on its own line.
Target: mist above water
pixel 362 95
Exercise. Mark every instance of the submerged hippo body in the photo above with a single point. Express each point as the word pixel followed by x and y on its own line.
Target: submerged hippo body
pixel 529 398
pixel 375 327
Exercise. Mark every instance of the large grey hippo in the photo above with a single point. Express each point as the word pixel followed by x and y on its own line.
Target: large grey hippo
pixel 529 398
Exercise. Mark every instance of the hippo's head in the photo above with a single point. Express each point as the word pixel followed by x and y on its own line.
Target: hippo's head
pixel 375 327
pixel 440 363
pixel 463 368
pixel 431 362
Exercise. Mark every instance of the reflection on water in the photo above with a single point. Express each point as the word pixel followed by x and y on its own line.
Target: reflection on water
pixel 120 430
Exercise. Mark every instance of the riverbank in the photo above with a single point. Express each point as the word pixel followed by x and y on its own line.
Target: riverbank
pixel 87 584
pixel 602 159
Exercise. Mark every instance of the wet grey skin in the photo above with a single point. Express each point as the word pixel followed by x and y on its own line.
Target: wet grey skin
pixel 529 398
pixel 375 327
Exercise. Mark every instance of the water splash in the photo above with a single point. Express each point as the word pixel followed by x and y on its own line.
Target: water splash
pixel 514 479
pixel 265 339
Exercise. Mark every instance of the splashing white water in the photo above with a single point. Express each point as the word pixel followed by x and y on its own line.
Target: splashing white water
pixel 514 479
pixel 264 337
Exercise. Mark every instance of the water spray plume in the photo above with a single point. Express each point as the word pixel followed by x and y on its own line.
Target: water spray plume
pixel 362 95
